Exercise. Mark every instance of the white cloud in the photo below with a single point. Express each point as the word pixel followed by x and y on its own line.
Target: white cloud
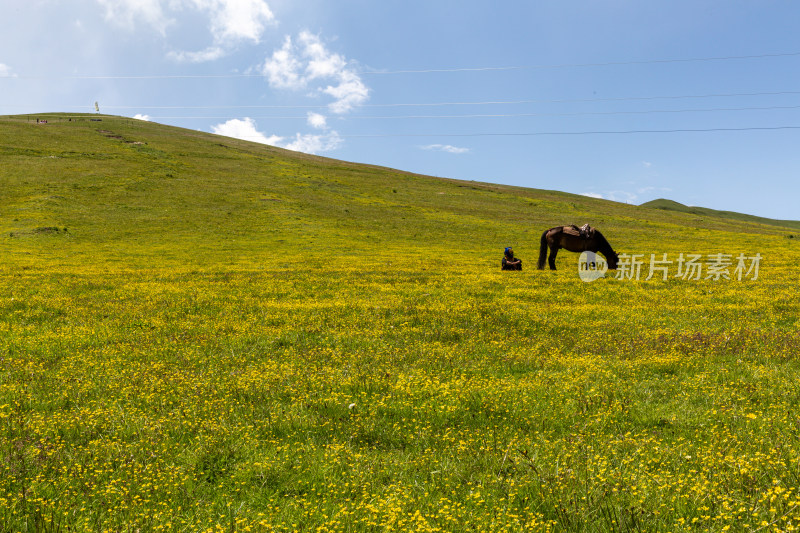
pixel 351 92
pixel 139 116
pixel 304 63
pixel 614 196
pixel 629 196
pixel 647 164
pixel 622 196
pixel 445 148
pixel 235 20
pixel 211 53
pixel 229 21
pixel 247 130
pixel 283 68
pixel 315 120
pixel 315 144
pixel 5 71
pixel 307 63
pixel 126 13
pixel 645 190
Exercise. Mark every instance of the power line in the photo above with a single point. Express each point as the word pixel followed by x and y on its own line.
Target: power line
pixel 555 133
pixel 136 77
pixel 408 71
pixel 445 104
pixel 589 100
pixel 500 115
pixel 580 65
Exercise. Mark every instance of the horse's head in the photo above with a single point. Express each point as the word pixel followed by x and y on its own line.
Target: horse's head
pixel 612 259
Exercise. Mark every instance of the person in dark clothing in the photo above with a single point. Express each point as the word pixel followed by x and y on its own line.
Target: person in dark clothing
pixel 510 262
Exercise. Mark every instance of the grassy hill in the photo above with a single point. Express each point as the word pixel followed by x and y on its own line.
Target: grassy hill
pixel 124 189
pixel 204 334
pixel 671 205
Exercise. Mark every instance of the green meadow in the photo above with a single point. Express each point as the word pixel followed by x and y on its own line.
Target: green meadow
pixel 203 334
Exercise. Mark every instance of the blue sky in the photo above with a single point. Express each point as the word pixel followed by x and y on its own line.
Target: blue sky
pixel 696 101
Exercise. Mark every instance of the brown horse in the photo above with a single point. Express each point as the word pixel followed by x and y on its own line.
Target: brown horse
pixel 574 239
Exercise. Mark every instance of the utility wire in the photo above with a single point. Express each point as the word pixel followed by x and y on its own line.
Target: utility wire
pixel 547 133
pixel 589 100
pixel 409 71
pixel 445 104
pixel 556 133
pixel 500 115
pixel 580 65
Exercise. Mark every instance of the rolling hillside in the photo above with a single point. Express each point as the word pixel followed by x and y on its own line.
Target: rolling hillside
pixel 128 192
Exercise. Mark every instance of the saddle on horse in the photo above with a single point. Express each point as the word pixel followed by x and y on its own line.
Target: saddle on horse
pixel 584 232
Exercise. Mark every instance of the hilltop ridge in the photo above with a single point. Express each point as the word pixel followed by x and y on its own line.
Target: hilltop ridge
pixel 672 205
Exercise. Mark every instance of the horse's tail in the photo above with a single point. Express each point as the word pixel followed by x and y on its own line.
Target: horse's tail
pixel 543 250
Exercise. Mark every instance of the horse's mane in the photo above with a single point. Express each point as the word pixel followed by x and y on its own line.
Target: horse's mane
pixel 602 244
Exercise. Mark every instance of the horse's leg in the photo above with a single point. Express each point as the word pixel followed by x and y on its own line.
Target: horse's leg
pixel 552 259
